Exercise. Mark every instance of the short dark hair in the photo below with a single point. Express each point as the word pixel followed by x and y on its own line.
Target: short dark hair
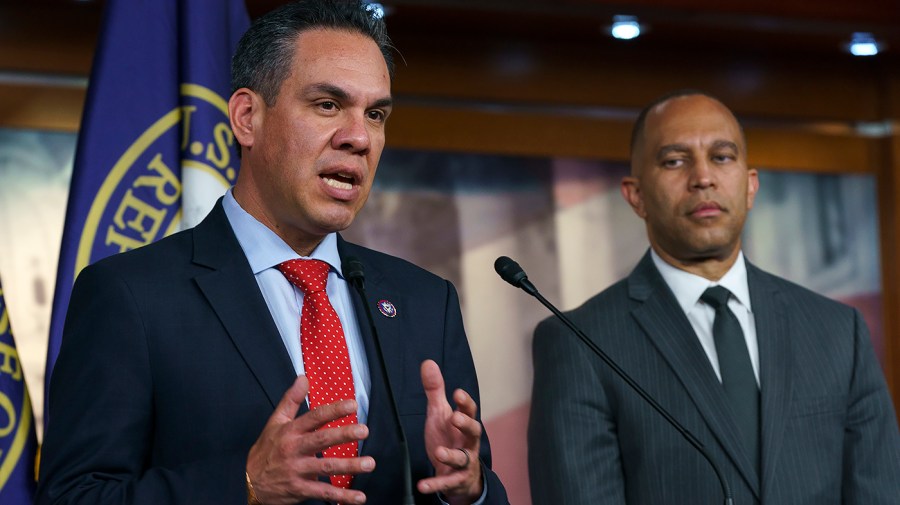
pixel 265 53
pixel 638 129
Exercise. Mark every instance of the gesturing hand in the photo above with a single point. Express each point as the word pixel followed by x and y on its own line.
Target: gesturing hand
pixel 452 440
pixel 282 464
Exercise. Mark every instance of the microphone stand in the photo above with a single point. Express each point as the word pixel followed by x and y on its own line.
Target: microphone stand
pixel 512 273
pixel 353 272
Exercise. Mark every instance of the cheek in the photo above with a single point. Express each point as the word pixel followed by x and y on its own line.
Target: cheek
pixel 658 203
pixel 375 150
pixel 303 136
pixel 741 195
pixel 364 193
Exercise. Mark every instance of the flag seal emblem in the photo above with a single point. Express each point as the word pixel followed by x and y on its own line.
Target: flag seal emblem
pixel 16 418
pixel 140 198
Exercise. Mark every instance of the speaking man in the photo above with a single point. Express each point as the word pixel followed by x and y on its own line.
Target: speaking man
pixel 231 363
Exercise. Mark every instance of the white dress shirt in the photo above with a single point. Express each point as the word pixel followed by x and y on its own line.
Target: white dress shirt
pixel 688 288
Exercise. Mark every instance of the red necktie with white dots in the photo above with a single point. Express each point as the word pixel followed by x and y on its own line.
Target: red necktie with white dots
pixel 324 349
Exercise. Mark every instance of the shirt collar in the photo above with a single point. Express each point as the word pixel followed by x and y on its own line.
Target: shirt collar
pixel 265 249
pixel 688 287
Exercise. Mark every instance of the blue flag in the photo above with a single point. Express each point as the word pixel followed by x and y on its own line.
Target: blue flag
pixel 155 149
pixel 18 444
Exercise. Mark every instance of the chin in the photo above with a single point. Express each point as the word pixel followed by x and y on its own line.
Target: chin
pixel 715 251
pixel 335 225
pixel 336 218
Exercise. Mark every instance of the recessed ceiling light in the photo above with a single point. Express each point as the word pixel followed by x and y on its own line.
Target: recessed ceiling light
pixel 377 9
pixel 863 44
pixel 625 27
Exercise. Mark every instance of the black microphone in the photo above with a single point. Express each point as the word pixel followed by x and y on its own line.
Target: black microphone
pixel 512 273
pixel 353 272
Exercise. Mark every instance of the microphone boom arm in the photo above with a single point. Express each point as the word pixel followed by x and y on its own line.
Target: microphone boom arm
pixel 512 273
pixel 353 272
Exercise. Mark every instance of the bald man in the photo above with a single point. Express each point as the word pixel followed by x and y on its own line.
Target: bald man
pixel 779 384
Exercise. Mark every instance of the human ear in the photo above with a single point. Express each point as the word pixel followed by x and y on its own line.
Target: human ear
pixel 631 191
pixel 752 186
pixel 243 106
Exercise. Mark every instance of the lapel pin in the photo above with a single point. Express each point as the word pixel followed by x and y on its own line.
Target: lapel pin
pixel 387 308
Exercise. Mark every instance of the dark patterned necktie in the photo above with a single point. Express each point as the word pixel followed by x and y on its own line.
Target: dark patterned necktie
pixel 736 369
pixel 325 357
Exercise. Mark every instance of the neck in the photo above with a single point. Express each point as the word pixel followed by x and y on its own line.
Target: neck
pixel 301 242
pixel 304 246
pixel 712 268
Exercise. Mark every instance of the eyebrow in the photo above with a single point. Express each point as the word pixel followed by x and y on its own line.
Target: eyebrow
pixel 726 144
pixel 341 94
pixel 681 148
pixel 384 103
pixel 671 148
pixel 329 89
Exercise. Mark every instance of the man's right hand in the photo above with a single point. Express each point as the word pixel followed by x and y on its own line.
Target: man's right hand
pixel 282 465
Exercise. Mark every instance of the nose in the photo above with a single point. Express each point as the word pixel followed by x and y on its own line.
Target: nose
pixel 353 136
pixel 702 176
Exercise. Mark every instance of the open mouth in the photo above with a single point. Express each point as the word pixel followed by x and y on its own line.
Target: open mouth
pixel 339 181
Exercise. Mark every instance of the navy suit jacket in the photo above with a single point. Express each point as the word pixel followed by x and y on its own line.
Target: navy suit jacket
pixel 171 365
pixel 829 432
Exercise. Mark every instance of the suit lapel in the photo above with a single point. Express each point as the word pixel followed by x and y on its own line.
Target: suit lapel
pixel 383 437
pixel 668 328
pixel 231 290
pixel 775 360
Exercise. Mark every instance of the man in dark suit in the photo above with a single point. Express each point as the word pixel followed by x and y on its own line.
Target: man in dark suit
pixel 182 377
pixel 794 409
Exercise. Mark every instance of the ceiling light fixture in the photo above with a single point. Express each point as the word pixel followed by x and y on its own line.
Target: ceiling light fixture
pixel 377 9
pixel 863 44
pixel 625 27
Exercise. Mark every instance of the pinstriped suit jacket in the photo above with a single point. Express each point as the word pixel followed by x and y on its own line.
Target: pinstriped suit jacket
pixel 829 432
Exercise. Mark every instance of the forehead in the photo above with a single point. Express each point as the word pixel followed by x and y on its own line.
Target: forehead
pixel 691 120
pixel 324 54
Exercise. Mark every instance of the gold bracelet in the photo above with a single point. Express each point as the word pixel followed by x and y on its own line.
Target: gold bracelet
pixel 251 494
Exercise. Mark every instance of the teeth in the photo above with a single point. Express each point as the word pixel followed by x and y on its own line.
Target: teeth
pixel 334 183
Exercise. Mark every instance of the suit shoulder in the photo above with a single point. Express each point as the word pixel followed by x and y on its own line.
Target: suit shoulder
pixel 153 259
pixel 613 298
pixel 392 268
pixel 802 298
pixel 611 302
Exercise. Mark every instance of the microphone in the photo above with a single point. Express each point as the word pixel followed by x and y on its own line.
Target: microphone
pixel 354 273
pixel 512 273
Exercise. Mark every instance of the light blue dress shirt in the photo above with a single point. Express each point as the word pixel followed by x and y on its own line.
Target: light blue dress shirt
pixel 265 250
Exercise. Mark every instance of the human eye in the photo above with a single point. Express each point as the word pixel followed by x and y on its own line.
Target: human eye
pixel 376 115
pixel 327 105
pixel 723 158
pixel 672 162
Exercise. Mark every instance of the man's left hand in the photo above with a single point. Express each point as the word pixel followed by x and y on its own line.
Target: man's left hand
pixel 452 440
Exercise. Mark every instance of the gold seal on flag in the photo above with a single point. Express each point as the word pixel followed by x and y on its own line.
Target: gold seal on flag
pixel 139 200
